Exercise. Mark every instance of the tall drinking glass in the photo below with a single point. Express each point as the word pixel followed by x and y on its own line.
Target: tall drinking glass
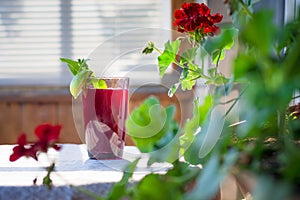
pixel 104 114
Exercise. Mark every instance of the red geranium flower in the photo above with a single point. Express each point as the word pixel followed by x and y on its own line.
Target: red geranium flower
pixel 23 149
pixel 47 135
pixel 193 17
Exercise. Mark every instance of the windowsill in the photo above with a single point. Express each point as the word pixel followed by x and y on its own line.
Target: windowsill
pixel 35 80
pixel 51 89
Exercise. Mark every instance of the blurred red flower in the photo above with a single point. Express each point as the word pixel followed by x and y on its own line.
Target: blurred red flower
pixel 193 17
pixel 23 149
pixel 47 137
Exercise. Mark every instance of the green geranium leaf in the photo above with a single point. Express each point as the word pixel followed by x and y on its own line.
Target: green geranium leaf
pixel 224 89
pixel 184 73
pixel 218 55
pixel 168 56
pixel 74 66
pixel 212 71
pixel 199 136
pixel 78 82
pixel 187 84
pixel 206 137
pixel 220 79
pixel 149 123
pixel 221 42
pixel 188 56
pixel 170 151
pixel 211 176
pixel 200 113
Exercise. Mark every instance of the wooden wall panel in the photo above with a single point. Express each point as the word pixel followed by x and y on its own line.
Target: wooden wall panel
pixel 10 122
pixel 22 112
pixel 34 114
pixel 65 117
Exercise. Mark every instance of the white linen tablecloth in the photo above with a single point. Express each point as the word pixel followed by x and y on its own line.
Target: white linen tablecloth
pixel 73 168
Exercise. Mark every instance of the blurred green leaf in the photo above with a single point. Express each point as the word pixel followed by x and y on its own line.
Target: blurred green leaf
pixel 290 158
pixel 268 188
pixel 216 45
pixel 193 127
pixel 119 189
pixel 207 137
pixel 171 185
pixel 169 151
pixel 168 56
pixel 260 32
pixel 149 123
pixel 211 176
pixel 224 89
pixel 153 186
pixel 244 65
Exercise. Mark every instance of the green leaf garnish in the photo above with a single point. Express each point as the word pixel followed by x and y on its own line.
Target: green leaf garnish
pixel 99 84
pixel 74 66
pixel 78 82
pixel 81 73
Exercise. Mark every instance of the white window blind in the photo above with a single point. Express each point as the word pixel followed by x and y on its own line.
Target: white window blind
pixel 35 34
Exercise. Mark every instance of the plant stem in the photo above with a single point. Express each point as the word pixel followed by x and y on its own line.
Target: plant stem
pixel 281 123
pixel 245 7
pixel 158 50
pixel 197 77
pixel 229 101
pixel 218 60
pixel 183 67
pixel 296 97
pixel 235 101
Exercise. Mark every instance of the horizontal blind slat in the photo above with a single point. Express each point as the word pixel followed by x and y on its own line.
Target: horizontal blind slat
pixel 39 32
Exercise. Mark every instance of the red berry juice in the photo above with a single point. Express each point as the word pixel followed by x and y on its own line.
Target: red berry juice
pixel 104 113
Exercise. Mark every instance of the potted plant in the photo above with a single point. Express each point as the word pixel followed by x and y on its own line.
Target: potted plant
pixel 264 144
pixel 210 147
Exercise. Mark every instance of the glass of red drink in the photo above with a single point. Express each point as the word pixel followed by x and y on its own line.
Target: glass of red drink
pixel 104 114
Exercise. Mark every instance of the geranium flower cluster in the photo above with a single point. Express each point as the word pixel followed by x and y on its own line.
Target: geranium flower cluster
pixel 195 18
pixel 47 135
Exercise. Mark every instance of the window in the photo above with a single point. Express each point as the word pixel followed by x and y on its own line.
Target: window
pixel 35 34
